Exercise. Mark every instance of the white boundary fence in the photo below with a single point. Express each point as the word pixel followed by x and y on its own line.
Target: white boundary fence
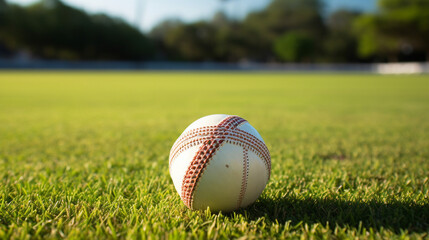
pixel 380 68
pixel 402 68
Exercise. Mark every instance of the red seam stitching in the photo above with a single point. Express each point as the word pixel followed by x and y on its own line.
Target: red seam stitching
pixel 202 158
pixel 237 141
pixel 245 177
pixel 238 135
pixel 203 132
pixel 266 160
pixel 209 131
pixel 226 123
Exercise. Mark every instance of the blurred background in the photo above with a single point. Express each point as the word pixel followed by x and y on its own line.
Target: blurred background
pixel 210 31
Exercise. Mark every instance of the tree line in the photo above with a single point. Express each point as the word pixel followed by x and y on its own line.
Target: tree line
pixel 284 31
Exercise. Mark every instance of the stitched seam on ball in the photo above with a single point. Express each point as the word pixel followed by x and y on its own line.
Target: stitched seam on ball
pixel 232 122
pixel 239 137
pixel 202 158
pixel 244 178
pixel 228 123
pixel 265 157
pixel 256 144
pixel 198 165
pixel 238 141
pixel 190 139
pixel 201 133
pixel 186 136
pixel 209 131
pixel 194 138
pixel 255 151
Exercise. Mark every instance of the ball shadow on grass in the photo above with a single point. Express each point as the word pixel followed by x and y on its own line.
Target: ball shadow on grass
pixel 396 216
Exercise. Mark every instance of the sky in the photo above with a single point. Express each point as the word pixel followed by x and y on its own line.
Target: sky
pixel 154 11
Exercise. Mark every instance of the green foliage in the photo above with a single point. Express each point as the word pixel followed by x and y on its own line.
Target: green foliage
pixel 195 41
pixel 51 29
pixel 231 41
pixel 407 20
pixel 372 42
pixel 400 28
pixel 223 39
pixel 294 47
pixel 398 31
pixel 286 30
pixel 3 6
pixel 340 44
pixel 286 15
pixel 218 40
pixel 281 17
pixel 159 34
pixel 85 155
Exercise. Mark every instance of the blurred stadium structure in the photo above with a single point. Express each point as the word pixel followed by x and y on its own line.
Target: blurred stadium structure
pixel 286 35
pixel 379 68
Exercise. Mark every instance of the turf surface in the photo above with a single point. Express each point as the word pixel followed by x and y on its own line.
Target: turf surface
pixel 85 154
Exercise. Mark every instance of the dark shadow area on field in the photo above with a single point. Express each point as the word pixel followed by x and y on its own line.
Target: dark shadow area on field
pixel 395 216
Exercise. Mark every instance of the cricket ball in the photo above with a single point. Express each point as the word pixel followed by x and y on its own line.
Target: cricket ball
pixel 221 162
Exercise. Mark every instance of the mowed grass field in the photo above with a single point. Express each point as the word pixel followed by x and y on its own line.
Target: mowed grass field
pixel 85 154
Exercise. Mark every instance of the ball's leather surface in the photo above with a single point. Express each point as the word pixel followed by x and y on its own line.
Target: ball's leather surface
pixel 219 161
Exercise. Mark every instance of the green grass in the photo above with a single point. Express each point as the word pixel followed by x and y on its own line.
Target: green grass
pixel 85 154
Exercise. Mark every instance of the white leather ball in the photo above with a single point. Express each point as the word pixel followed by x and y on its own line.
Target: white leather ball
pixel 219 161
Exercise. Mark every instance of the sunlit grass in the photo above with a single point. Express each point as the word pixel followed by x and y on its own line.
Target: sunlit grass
pixel 85 154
